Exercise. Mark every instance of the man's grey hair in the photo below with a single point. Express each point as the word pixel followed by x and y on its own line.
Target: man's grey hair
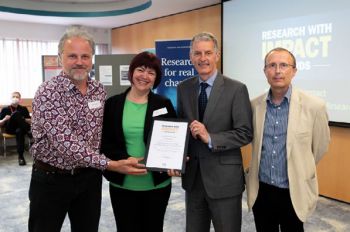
pixel 76 31
pixel 280 49
pixel 205 36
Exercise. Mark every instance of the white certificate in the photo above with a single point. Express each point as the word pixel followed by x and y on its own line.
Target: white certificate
pixel 167 146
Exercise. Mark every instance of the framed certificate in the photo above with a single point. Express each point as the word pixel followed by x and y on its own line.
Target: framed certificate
pixel 167 145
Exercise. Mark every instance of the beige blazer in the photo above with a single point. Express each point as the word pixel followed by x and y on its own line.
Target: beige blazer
pixel 308 137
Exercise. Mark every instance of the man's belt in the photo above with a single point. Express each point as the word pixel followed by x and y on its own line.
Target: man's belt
pixel 40 165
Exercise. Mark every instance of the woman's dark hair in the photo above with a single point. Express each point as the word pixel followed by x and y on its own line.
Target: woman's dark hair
pixel 147 60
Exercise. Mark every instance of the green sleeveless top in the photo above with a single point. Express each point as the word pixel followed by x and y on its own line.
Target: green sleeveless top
pixel 133 126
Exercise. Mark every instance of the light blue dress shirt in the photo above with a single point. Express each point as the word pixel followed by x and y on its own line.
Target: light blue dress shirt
pixel 273 162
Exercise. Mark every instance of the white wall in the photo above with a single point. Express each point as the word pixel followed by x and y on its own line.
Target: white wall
pixel 36 31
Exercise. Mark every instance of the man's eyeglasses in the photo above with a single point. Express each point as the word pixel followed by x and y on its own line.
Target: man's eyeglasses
pixel 281 66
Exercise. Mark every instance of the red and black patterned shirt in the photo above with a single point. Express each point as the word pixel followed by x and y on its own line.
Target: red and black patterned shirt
pixel 67 125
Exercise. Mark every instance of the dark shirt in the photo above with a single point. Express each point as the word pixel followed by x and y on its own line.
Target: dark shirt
pixel 10 110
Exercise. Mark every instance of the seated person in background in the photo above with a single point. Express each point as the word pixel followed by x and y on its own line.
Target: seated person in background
pixel 16 120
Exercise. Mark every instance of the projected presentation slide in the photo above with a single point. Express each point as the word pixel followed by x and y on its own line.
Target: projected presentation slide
pixel 317 32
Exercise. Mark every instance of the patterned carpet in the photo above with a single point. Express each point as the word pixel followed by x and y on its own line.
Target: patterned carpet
pixel 330 215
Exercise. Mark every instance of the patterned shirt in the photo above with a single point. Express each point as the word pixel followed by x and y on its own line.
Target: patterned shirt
pixel 273 162
pixel 67 125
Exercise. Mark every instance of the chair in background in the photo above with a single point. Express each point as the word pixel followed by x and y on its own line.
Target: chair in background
pixel 5 137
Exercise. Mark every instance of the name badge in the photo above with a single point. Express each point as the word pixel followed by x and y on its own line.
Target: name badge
pixel 160 112
pixel 94 105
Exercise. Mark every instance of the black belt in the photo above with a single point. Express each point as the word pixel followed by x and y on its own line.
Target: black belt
pixel 40 165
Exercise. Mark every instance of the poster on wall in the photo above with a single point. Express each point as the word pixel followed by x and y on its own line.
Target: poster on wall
pixel 176 66
pixel 106 76
pixel 123 75
pixel 51 66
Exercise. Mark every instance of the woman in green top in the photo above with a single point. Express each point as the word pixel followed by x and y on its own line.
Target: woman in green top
pixel 139 201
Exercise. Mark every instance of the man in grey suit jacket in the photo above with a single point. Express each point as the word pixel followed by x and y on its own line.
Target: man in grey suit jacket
pixel 214 178
pixel 291 135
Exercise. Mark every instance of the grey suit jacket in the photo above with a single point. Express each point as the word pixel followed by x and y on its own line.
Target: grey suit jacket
pixel 228 119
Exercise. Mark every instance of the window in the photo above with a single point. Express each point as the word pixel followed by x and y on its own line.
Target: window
pixel 21 68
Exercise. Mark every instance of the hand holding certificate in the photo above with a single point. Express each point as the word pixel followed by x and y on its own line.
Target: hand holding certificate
pixel 167 145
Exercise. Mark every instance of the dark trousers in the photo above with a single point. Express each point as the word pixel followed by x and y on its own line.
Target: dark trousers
pixel 53 195
pixel 20 128
pixel 139 211
pixel 201 210
pixel 273 211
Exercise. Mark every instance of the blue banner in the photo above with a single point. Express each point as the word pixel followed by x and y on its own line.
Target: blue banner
pixel 176 66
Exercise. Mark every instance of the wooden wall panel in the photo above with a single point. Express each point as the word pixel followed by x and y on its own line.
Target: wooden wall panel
pixel 27 102
pixel 134 38
pixel 334 169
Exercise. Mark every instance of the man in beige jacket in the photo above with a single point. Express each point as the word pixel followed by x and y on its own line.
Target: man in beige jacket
pixel 291 135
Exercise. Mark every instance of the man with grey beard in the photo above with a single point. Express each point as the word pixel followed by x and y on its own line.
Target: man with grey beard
pixel 67 127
